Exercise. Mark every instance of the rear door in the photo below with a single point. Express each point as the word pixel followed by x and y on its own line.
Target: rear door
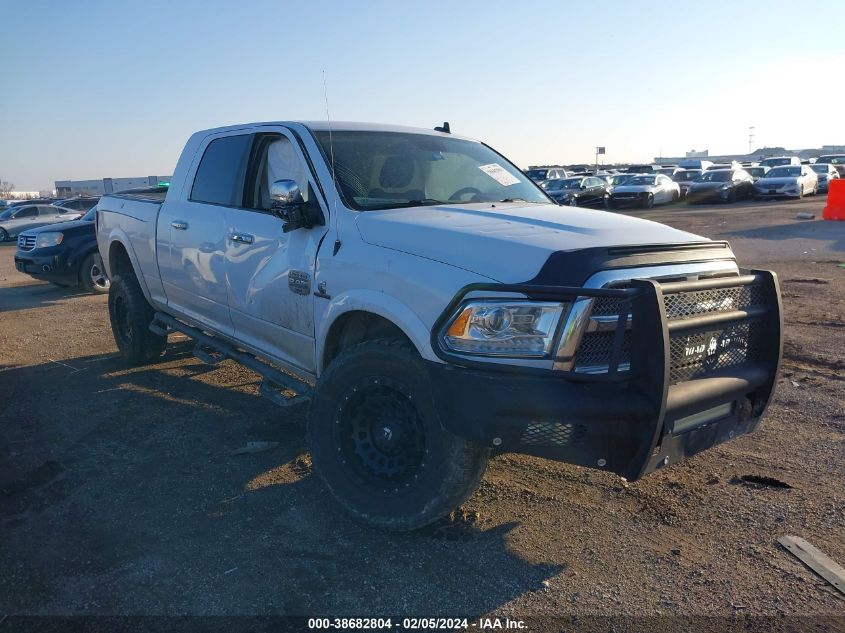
pixel 192 232
pixel 269 272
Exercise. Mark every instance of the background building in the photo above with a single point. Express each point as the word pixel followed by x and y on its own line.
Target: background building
pixel 755 156
pixel 66 188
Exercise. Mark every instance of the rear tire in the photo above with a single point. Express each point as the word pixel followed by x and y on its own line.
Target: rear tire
pixel 92 275
pixel 4 235
pixel 130 317
pixel 377 442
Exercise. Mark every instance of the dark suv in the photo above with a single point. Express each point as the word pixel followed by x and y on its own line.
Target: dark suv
pixel 64 254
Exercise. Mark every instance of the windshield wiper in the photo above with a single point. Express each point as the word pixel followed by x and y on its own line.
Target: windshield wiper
pixel 410 203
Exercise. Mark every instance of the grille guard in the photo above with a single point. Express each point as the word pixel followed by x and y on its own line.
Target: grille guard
pixel 660 430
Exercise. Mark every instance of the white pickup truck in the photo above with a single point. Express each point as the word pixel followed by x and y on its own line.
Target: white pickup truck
pixel 432 308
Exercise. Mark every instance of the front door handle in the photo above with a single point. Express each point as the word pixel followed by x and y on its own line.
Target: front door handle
pixel 179 226
pixel 241 238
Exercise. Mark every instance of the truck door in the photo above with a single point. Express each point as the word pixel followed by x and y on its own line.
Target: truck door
pixel 192 235
pixel 270 273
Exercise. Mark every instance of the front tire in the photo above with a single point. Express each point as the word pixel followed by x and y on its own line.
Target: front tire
pixel 648 201
pixel 377 442
pixel 92 275
pixel 130 317
pixel 4 235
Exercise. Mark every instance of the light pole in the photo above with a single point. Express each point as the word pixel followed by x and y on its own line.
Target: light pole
pixel 599 150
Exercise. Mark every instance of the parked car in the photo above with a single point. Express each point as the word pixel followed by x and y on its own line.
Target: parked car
pixel 825 173
pixel 685 178
pixel 539 174
pixel 369 278
pixel 777 161
pixel 731 165
pixel 590 191
pixel 837 160
pixel 695 163
pixel 757 171
pixel 618 179
pixel 17 203
pixel 644 190
pixel 21 217
pixel 81 203
pixel 641 169
pixel 792 181
pixel 668 171
pixel 725 185
pixel 65 255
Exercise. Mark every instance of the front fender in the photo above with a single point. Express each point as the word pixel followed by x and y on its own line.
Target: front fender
pixel 383 305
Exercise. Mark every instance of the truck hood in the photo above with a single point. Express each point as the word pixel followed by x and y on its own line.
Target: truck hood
pixel 508 242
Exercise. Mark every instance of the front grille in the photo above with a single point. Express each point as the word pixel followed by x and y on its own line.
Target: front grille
pixel 595 350
pixel 26 242
pixel 734 345
pixel 688 304
pixel 691 356
pixel 552 434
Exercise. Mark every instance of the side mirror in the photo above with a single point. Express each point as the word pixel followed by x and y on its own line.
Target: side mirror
pixel 285 193
pixel 287 204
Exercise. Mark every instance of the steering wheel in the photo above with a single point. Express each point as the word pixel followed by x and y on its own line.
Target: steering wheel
pixel 460 192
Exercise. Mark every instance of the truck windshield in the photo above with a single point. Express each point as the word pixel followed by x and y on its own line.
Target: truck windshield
pixel 389 170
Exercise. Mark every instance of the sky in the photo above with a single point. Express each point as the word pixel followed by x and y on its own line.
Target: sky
pixel 111 88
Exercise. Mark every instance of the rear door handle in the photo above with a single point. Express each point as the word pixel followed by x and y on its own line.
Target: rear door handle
pixel 179 226
pixel 242 238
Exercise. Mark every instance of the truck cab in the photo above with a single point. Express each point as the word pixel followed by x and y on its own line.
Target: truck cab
pixel 435 308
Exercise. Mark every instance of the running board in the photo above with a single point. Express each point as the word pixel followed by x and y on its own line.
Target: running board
pixel 212 351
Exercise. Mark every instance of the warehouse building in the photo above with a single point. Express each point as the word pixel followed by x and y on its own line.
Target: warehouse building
pixel 66 188
pixel 755 156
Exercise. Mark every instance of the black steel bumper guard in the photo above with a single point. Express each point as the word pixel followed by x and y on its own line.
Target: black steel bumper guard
pixel 693 365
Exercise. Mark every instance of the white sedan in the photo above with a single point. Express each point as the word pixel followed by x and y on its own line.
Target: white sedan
pixel 790 181
pixel 645 190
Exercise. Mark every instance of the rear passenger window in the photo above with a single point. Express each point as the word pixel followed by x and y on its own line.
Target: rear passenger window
pixel 220 173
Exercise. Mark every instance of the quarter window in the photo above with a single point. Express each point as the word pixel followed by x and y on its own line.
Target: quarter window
pixel 220 172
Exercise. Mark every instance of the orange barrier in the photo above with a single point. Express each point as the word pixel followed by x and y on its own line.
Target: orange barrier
pixel 835 209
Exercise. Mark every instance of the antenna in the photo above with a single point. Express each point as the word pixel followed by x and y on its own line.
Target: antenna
pixel 331 158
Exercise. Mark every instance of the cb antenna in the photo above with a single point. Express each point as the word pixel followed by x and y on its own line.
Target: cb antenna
pixel 331 159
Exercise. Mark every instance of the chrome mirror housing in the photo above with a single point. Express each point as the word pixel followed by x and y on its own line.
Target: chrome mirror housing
pixel 285 193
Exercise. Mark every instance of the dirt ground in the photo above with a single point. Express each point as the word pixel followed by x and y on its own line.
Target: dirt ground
pixel 119 493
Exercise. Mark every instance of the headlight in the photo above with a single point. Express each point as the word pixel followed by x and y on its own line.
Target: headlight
pixel 45 240
pixel 504 328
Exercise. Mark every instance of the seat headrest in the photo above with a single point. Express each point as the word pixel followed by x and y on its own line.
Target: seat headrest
pixel 396 172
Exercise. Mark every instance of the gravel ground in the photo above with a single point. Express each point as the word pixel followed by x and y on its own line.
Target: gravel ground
pixel 119 495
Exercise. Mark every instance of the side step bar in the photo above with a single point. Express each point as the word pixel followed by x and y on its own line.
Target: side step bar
pixel 276 384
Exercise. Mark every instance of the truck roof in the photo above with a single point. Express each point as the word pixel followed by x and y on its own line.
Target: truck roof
pixel 336 126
